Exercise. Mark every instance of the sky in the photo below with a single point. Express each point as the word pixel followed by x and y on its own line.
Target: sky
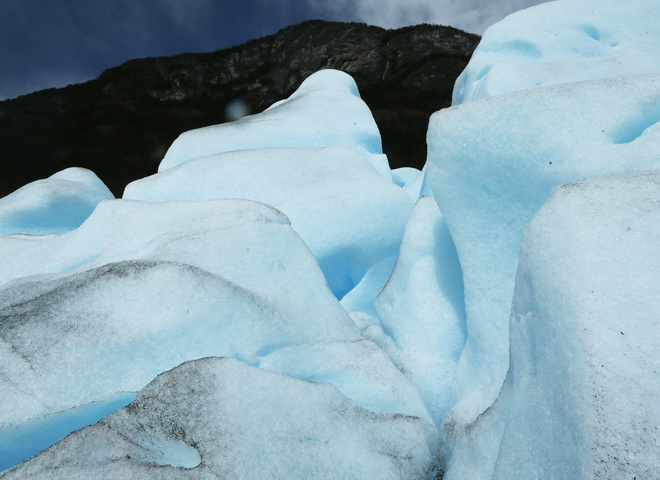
pixel 52 43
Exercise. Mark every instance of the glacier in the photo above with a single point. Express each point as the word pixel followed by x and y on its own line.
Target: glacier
pixel 198 421
pixel 594 344
pixel 300 181
pixel 276 302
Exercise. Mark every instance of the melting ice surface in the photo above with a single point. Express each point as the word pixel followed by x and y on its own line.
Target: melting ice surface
pixel 19 443
pixel 280 299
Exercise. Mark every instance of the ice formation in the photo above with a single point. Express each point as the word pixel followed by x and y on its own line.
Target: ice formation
pixel 493 163
pixel 170 274
pixel 585 326
pixel 57 204
pixel 421 307
pixel 494 159
pixel 220 418
pixel 371 323
pixel 327 107
pixel 325 192
pixel 564 41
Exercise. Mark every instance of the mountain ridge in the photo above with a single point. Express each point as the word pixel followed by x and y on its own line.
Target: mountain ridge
pixel 120 124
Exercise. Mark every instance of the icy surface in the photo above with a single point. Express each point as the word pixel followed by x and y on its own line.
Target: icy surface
pixel 168 282
pixel 554 94
pixel 220 418
pixel 57 204
pixel 198 264
pixel 359 369
pixel 562 42
pixel 326 110
pixel 411 180
pixel 363 295
pixel 584 381
pixel 19 443
pixel 493 163
pixel 153 285
pixel 421 307
pixel 142 286
pixel 325 192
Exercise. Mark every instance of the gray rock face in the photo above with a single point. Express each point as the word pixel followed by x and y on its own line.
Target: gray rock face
pixel 120 124
pixel 220 418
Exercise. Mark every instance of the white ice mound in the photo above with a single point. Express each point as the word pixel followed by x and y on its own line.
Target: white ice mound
pixel 220 418
pixel 584 381
pixel 494 162
pixel 57 204
pixel 325 192
pixel 326 110
pixel 562 42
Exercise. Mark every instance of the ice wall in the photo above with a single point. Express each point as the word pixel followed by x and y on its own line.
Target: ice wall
pixel 492 165
pixel 581 396
pixel 554 94
pixel 421 307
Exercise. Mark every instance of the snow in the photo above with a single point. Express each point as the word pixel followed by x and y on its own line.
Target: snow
pixel 559 42
pixel 220 418
pixel 584 381
pixel 57 204
pixel 421 307
pixel 172 273
pixel 328 108
pixel 225 277
pixel 492 165
pixel 284 306
pixel 325 192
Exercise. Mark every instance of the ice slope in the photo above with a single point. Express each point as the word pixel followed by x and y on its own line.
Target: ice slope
pixel 167 271
pixel 563 41
pixel 325 192
pixel 421 307
pixel 220 418
pixel 57 204
pixel 555 94
pixel 581 396
pixel 326 110
pixel 142 287
pixel 492 165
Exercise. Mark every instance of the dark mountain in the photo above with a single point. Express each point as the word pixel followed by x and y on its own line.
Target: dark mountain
pixel 121 124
